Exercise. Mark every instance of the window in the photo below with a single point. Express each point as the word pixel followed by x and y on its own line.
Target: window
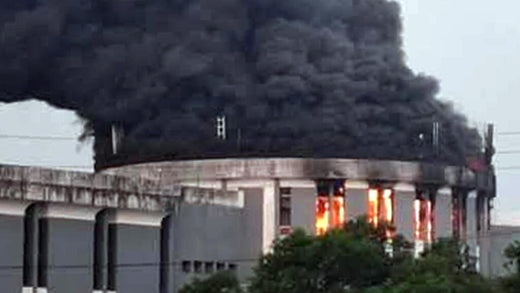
pixel 380 206
pixel 423 219
pixel 330 205
pixel 338 204
pixel 232 267
pixel 373 206
pixel 285 211
pixel 322 215
pixel 197 267
pixel 186 266
pixel 285 191
pixel 209 267
pixel 220 266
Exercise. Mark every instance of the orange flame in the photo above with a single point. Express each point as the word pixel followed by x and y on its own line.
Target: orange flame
pixel 322 215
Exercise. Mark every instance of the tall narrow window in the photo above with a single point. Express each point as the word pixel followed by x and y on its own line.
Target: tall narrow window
pixel 285 210
pixel 387 207
pixel 322 215
pixel 423 219
pixel 30 247
pixel 112 259
pixel 338 204
pixel 43 252
pixel 455 217
pixel 373 206
pixel 381 207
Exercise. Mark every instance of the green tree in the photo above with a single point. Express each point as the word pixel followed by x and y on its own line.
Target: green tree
pixel 512 283
pixel 445 267
pixel 219 282
pixel 343 259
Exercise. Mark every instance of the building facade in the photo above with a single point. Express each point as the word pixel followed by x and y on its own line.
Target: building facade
pixel 153 227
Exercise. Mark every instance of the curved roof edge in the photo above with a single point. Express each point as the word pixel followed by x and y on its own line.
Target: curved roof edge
pixel 303 168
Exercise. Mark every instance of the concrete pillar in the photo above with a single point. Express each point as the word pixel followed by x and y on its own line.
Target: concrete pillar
pixel 443 213
pixel 66 248
pixel 11 244
pixel 271 196
pixel 134 243
pixel 404 197
pixel 471 225
pixel 356 194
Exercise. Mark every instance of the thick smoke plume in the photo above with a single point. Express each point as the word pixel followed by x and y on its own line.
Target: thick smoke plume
pixel 294 78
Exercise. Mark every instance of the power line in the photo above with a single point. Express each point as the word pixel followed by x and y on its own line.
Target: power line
pixel 508 152
pixel 11 136
pixel 509 133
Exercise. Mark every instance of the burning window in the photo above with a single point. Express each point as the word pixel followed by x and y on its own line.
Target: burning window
pixel 322 215
pixel 338 204
pixel 330 205
pixel 373 206
pixel 459 214
pixel 338 211
pixel 423 219
pixel 380 206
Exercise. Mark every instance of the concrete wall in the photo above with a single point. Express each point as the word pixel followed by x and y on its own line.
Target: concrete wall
pixel 137 259
pixel 70 252
pixel 212 235
pixel 357 200
pixel 11 253
pixel 442 213
pixel 404 197
pixel 303 208
pixel 492 249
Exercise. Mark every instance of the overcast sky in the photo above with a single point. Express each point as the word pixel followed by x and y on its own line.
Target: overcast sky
pixel 471 46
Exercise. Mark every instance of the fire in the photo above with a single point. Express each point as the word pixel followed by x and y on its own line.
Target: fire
pixel 322 215
pixel 417 212
pixel 338 211
pixel 380 206
pixel 330 205
pixel 387 205
pixel 373 206
pixel 423 220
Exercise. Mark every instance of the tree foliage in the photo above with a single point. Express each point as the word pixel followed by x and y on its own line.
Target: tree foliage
pixel 512 283
pixel 356 259
pixel 219 282
pixel 341 259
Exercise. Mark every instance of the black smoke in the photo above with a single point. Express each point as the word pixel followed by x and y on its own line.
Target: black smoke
pixel 294 78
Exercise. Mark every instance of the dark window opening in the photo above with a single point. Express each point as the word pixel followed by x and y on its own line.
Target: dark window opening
pixel 197 267
pixel 221 266
pixel 232 267
pixel 186 266
pixel 285 211
pixel 209 267
pixel 285 191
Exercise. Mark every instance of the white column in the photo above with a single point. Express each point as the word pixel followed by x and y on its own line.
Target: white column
pixel 471 224
pixel 404 210
pixel 270 212
pixel 443 213
pixel 356 195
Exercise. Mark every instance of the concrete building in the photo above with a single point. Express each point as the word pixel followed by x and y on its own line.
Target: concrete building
pixel 152 227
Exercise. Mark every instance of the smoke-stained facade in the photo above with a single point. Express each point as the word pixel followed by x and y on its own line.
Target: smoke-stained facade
pixel 300 78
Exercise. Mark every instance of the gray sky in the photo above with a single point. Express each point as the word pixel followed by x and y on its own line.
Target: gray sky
pixel 471 46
